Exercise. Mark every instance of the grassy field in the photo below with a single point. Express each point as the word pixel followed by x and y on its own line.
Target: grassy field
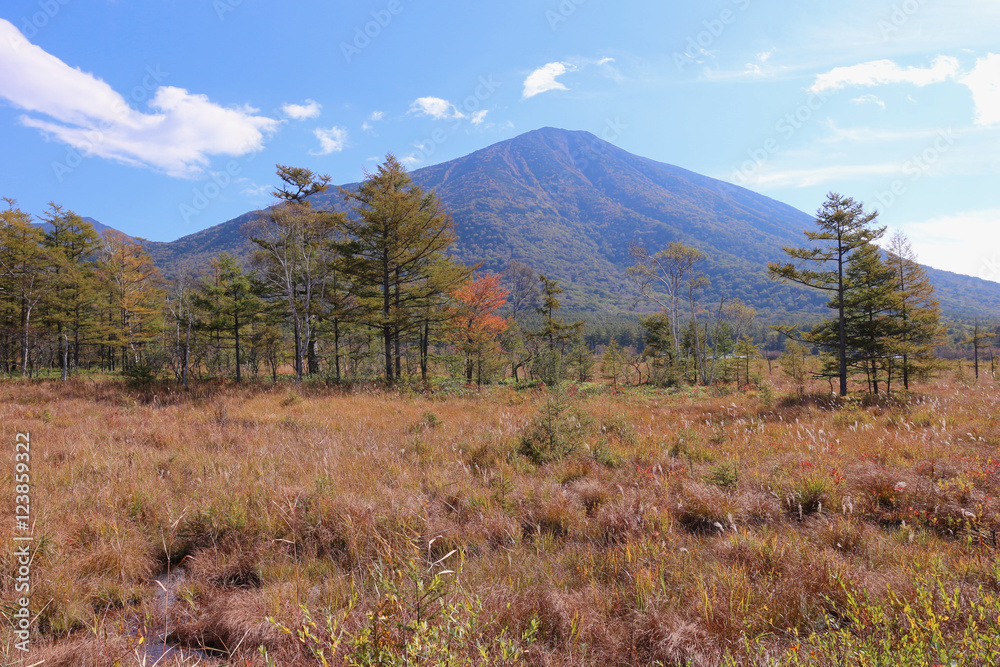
pixel 582 526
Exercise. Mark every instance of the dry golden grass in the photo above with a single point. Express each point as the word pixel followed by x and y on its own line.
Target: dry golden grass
pixel 684 529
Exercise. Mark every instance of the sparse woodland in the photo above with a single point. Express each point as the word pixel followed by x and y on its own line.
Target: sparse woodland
pixel 357 451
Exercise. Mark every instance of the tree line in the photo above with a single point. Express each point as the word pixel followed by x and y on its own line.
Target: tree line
pixel 375 293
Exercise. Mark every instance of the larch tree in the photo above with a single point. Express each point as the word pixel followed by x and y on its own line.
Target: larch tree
pixel 132 282
pixel 919 312
pixel 395 248
pixel 844 227
pixel 26 273
pixel 71 310
pixel 231 300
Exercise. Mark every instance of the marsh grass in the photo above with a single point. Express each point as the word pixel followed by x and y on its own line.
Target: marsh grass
pixel 590 527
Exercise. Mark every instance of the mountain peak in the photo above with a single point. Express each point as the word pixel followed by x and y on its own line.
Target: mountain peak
pixel 571 205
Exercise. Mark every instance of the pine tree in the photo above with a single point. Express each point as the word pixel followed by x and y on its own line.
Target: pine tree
pixel 919 312
pixel 871 331
pixel 232 302
pixel 394 251
pixel 844 227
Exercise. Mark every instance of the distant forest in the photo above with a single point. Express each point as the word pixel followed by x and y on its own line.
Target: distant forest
pixel 376 293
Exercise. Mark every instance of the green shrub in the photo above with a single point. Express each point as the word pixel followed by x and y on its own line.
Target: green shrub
pixel 556 432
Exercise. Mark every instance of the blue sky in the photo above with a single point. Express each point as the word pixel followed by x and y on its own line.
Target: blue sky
pixel 163 118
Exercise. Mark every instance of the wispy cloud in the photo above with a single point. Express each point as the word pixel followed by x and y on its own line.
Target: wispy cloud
pixel 331 140
pixel 479 117
pixel 884 72
pixel 543 79
pixel 305 111
pixel 810 177
pixel 984 82
pixel 179 135
pixel 943 242
pixel 436 108
pixel 869 99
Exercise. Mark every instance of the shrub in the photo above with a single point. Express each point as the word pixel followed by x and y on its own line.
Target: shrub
pixel 556 432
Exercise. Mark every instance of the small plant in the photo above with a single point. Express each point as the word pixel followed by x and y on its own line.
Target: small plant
pixel 723 476
pixel 140 375
pixel 428 420
pixel 555 433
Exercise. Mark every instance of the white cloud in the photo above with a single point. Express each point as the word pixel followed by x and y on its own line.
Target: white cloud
pixel 959 242
pixel 376 116
pixel 479 117
pixel 869 99
pixel 810 177
pixel 436 108
pixel 305 111
pixel 883 72
pixel 984 82
pixel 179 136
pixel 331 140
pixel 605 61
pixel 543 79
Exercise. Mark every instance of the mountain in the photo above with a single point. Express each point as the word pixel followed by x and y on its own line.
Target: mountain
pixel 570 205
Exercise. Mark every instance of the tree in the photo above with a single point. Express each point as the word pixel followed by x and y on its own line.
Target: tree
pixel 555 334
pixel 394 249
pixel 521 282
pixel 870 329
pixel 132 282
pixel 232 302
pixel 72 243
pixel 660 348
pixel 794 363
pixel 476 327
pixel 26 273
pixel 844 227
pixel 294 251
pixel 613 362
pixel 978 339
pixel 661 278
pixel 919 313
pixel 580 359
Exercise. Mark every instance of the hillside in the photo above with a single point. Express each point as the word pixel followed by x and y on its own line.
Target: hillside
pixel 570 204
